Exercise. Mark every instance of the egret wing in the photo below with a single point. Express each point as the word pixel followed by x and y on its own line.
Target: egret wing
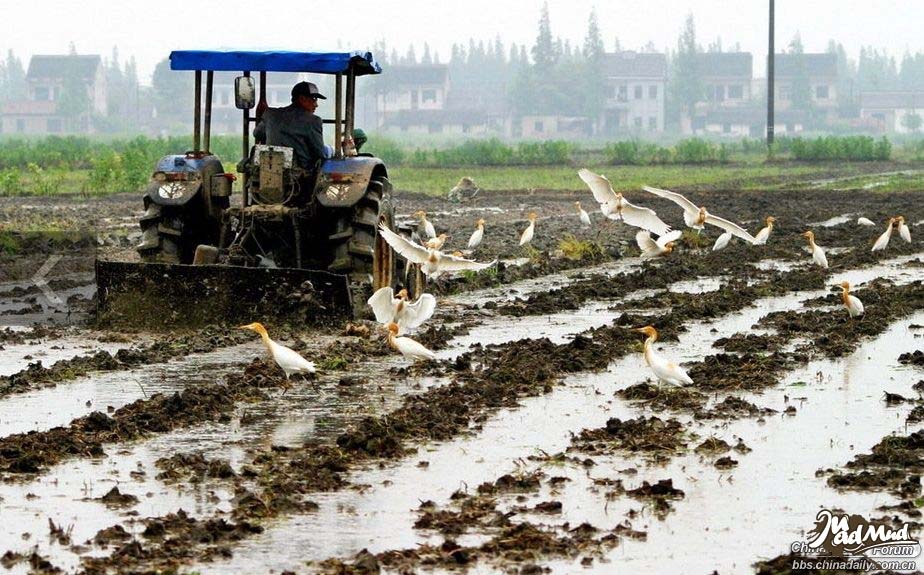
pixel 678 199
pixel 450 263
pixel 669 237
pixel 419 311
pixel 644 218
pixel 645 243
pixel 600 186
pixel 382 304
pixel 408 249
pixel 904 232
pixel 728 226
pixel 290 361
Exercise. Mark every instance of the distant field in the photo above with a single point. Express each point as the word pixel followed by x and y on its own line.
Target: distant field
pixel 758 176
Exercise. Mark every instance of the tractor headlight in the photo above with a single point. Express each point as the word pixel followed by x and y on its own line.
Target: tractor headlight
pixel 172 190
pixel 160 176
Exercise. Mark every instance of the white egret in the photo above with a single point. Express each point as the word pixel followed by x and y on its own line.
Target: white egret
pixel 651 248
pixel 903 230
pixel 289 360
pixel 477 235
pixel 665 370
pixel 818 254
pixel 697 217
pixel 865 222
pixel 585 218
pixel 615 207
pixel 425 228
pixel 764 234
pixel 527 235
pixel 407 346
pixel 851 302
pixel 722 241
pixel 432 261
pixel 883 240
pixel 391 309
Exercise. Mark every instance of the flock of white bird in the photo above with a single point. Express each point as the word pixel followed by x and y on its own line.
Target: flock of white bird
pixel 400 316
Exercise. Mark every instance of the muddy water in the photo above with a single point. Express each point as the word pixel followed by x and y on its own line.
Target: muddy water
pixel 380 518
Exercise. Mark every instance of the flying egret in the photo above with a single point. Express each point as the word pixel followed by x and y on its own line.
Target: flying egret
pixel 818 254
pixel 432 261
pixel 697 217
pixel 722 241
pixel 883 240
pixel 425 228
pixel 477 235
pixel 585 218
pixel 615 207
pixel 651 248
pixel 665 370
pixel 851 302
pixel 903 230
pixel 407 346
pixel 764 234
pixel 527 235
pixel 389 308
pixel 289 360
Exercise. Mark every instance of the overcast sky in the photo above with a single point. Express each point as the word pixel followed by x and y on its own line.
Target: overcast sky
pixel 149 30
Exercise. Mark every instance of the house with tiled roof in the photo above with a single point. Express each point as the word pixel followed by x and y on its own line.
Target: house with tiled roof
pixel 635 84
pixel 727 107
pixel 47 80
pixel 408 88
pixel 887 111
pixel 821 72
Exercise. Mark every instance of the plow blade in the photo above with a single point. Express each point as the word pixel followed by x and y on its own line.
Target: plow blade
pixel 164 296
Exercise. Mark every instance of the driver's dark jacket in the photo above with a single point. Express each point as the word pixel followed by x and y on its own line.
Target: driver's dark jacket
pixel 296 128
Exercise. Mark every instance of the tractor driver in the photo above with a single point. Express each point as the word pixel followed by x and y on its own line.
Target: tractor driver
pixel 296 126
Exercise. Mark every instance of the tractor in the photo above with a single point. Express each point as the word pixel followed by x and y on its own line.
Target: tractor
pixel 309 231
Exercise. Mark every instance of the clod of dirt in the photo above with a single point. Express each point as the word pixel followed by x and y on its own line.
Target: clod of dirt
pixel 111 535
pixel 650 435
pixel 713 445
pixel 658 398
pixel 193 467
pixel 512 483
pixel 912 358
pixel 733 408
pixel 725 463
pixel 115 498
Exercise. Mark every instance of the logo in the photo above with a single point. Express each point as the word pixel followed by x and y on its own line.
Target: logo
pixel 850 542
pixel 171 191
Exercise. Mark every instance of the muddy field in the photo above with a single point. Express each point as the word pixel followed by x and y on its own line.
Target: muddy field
pixel 536 443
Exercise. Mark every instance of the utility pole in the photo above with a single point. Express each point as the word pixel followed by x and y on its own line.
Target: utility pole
pixel 770 58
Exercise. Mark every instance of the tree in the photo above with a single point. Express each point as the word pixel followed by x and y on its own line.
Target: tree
pixel 912 122
pixel 426 58
pixel 171 91
pixel 544 52
pixel 686 84
pixel 74 103
pixel 801 85
pixel 15 78
pixel 592 75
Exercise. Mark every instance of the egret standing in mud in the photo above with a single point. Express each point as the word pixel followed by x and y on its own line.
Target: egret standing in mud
pixel 390 309
pixel 851 302
pixel 764 234
pixel 425 228
pixel 615 207
pixel 903 230
pixel 477 235
pixel 662 247
pixel 407 346
pixel 865 222
pixel 818 254
pixel 696 217
pixel 432 261
pixel 527 235
pixel 289 360
pixel 883 240
pixel 585 218
pixel 665 370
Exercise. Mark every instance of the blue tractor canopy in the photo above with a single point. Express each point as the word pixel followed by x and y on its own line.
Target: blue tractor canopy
pixel 345 66
pixel 360 63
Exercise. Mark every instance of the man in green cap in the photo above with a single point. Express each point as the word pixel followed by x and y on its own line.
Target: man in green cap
pixel 359 138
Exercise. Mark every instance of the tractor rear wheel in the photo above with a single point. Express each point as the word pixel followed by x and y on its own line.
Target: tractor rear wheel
pixel 358 248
